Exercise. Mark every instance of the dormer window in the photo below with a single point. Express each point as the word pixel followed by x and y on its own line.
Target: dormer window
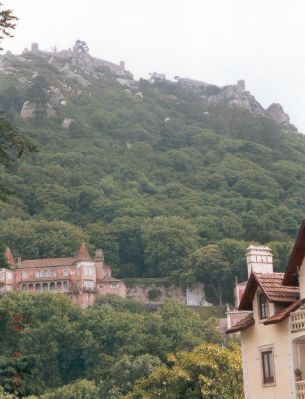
pixel 263 306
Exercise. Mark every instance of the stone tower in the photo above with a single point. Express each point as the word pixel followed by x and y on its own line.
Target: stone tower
pixel 34 48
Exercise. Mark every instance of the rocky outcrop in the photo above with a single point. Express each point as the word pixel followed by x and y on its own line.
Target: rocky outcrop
pixel 276 112
pixel 131 84
pixel 28 111
pixel 31 111
pixel 237 95
pixel 56 94
pixel 74 76
pixel 67 123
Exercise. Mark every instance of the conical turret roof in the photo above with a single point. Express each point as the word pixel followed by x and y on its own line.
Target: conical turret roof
pixel 9 256
pixel 83 253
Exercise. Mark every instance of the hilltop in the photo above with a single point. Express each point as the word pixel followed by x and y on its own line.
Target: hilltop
pixel 149 170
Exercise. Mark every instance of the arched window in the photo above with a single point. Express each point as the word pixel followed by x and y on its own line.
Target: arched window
pixel 24 287
pixel 37 287
pixel 45 286
pixel 52 286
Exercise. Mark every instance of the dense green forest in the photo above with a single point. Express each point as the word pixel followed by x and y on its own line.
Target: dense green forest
pixel 53 348
pixel 164 182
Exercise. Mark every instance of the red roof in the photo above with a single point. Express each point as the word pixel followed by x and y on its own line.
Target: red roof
pixel 83 253
pixel 296 258
pixel 47 262
pixel 9 256
pixel 241 325
pixel 284 313
pixel 271 285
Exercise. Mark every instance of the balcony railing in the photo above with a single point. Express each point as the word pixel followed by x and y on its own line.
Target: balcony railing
pixel 300 389
pixel 89 289
pixel 298 321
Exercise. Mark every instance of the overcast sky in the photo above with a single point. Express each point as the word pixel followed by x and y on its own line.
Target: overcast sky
pixel 217 41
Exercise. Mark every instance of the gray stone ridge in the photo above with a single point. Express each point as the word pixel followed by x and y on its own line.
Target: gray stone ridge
pixel 82 60
pixel 79 66
pixel 236 95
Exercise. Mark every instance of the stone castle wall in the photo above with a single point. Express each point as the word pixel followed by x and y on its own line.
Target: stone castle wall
pixel 157 291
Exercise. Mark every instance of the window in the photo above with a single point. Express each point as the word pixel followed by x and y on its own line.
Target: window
pixel 89 271
pixel 66 272
pixel 65 286
pixel 113 285
pixel 263 306
pixel 24 275
pixel 88 284
pixel 268 366
pixel 37 287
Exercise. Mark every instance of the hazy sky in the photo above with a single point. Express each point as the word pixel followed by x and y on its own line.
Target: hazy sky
pixel 217 41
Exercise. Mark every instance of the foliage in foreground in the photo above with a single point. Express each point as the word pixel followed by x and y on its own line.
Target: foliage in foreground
pixel 208 372
pixel 47 342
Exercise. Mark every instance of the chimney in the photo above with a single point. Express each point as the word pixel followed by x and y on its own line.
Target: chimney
pixel 259 259
pixel 99 256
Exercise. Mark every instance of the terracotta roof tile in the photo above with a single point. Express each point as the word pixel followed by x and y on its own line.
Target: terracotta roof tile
pixel 284 313
pixel 9 256
pixel 242 324
pixel 271 285
pixel 83 253
pixel 46 262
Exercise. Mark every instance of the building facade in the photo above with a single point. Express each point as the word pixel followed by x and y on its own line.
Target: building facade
pixel 80 276
pixel 273 332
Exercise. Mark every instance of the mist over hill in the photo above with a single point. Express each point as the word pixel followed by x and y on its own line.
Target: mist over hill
pixel 150 170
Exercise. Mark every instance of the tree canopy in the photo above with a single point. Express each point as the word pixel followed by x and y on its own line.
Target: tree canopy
pixel 7 22
pixel 207 372
pixel 47 342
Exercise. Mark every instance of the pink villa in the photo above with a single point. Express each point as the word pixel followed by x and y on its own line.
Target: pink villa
pixel 80 277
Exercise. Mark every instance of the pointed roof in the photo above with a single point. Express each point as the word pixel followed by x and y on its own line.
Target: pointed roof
pixel 296 258
pixel 271 285
pixel 241 324
pixel 83 253
pixel 9 256
pixel 284 313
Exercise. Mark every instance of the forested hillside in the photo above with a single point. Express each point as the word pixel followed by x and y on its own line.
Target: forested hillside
pixel 164 181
